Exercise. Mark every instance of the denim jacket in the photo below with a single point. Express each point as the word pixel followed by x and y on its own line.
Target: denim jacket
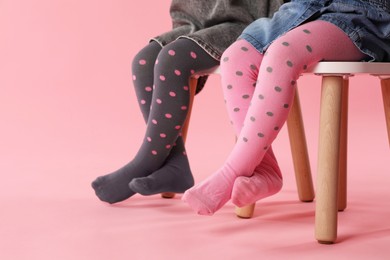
pixel 366 22
pixel 214 24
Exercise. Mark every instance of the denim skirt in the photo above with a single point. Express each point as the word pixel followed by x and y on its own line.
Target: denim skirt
pixel 366 23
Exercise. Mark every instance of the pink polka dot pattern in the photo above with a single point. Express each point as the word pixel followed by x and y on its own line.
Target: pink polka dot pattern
pixel 160 75
pixel 193 55
pixel 163 83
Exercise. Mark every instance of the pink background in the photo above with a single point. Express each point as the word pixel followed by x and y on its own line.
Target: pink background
pixel 68 113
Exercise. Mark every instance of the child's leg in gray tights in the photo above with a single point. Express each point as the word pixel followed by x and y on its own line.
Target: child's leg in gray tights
pixel 163 95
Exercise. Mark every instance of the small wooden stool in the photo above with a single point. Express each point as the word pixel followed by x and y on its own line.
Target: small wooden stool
pixel 332 148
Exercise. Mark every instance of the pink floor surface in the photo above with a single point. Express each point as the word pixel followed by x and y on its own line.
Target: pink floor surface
pixel 49 211
pixel 68 114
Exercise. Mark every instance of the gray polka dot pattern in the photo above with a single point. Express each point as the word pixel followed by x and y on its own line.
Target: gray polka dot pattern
pixel 273 96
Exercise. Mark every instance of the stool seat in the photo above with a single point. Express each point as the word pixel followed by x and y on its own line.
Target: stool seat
pixel 332 67
pixel 344 67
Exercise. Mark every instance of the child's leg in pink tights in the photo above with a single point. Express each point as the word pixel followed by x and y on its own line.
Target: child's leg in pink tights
pixel 285 59
pixel 238 91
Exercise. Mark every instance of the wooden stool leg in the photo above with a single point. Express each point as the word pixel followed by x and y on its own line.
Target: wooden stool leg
pixel 245 212
pixel 385 83
pixel 299 152
pixel 342 188
pixel 328 160
pixel 192 85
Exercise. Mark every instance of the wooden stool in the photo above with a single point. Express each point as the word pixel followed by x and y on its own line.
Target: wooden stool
pixel 297 143
pixel 332 147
